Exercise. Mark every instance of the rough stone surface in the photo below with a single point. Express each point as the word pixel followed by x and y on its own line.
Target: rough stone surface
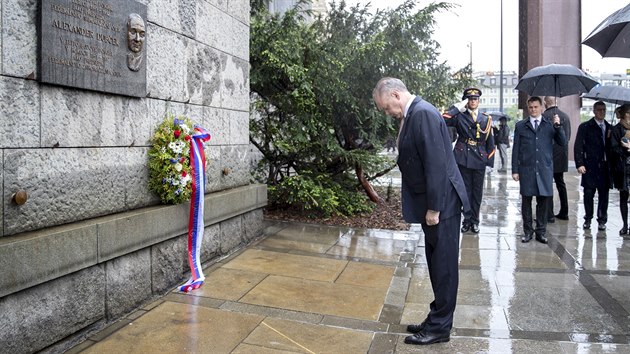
pixel 36 317
pixel 231 235
pixel 128 282
pixel 166 74
pixel 240 37
pixel 78 184
pixel 240 11
pixel 210 245
pixel 67 250
pixel 217 122
pixel 19 109
pixel 236 160
pixel 213 27
pixel 18 34
pixel 204 75
pixel 254 224
pixel 73 118
pixel 169 260
pixel 239 127
pixel 235 86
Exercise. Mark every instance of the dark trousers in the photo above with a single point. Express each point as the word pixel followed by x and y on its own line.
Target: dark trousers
pixel 562 193
pixel 441 246
pixel 623 206
pixel 541 214
pixel 473 180
pixel 602 204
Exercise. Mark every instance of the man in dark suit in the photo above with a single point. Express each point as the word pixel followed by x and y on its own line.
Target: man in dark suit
pixel 433 194
pixel 592 150
pixel 532 165
pixel 560 160
pixel 474 151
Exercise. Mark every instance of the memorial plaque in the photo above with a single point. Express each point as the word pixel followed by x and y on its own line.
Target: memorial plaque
pixel 94 44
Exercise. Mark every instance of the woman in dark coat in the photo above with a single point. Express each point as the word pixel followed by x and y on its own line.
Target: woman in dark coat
pixel 621 162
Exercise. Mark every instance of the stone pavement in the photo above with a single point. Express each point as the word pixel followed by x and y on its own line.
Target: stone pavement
pixel 318 289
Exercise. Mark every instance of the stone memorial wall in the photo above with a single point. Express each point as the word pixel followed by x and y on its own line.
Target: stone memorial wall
pixel 80 99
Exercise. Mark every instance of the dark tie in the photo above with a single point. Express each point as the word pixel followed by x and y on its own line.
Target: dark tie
pixel 603 128
pixel 535 124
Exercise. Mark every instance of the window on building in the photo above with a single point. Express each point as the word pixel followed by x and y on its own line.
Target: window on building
pixel 493 81
pixel 504 81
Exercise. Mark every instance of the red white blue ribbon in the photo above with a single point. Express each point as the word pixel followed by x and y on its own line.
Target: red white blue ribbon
pixel 195 219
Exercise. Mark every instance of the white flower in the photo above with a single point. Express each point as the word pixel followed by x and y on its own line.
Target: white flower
pixel 178 167
pixel 177 146
pixel 184 129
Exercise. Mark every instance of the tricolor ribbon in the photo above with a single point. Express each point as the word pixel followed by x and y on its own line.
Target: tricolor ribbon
pixel 195 219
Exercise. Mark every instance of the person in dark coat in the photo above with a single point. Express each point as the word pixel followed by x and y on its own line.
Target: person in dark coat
pixel 560 160
pixel 474 150
pixel 620 162
pixel 502 141
pixel 532 165
pixel 591 152
pixel 433 194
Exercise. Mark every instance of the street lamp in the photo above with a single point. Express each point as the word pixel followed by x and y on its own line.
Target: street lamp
pixel 469 45
pixel 501 63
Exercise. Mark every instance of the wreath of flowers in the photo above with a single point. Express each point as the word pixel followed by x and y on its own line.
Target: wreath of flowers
pixel 169 160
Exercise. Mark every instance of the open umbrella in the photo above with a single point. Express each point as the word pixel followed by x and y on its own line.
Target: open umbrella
pixel 555 80
pixel 611 94
pixel 612 37
pixel 496 115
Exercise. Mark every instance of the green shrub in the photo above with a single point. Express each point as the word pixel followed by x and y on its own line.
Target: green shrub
pixel 319 195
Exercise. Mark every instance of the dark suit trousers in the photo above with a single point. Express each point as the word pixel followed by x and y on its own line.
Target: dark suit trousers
pixel 473 180
pixel 562 193
pixel 541 214
pixel 602 204
pixel 441 244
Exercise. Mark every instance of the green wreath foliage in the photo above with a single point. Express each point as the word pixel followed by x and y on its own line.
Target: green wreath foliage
pixel 169 160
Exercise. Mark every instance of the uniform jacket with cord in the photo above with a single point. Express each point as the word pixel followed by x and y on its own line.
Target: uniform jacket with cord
pixel 475 146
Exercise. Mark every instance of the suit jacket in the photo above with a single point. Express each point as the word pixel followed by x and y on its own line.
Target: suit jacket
pixel 476 156
pixel 590 150
pixel 560 153
pixel 430 177
pixel 532 156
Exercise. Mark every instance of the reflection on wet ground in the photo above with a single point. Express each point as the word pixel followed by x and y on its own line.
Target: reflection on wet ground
pixel 319 289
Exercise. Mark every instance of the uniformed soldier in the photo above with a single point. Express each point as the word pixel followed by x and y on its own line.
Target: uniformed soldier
pixel 474 150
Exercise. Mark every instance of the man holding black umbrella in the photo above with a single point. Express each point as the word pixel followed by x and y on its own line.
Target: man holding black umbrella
pixel 560 160
pixel 532 165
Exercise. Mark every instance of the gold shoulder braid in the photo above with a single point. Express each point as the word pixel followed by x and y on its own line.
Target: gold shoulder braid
pixel 485 131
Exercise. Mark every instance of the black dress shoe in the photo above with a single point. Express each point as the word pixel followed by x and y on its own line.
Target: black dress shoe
pixel 587 225
pixel 416 328
pixel 465 228
pixel 623 231
pixel 601 227
pixel 541 239
pixel 562 217
pixel 551 220
pixel 475 228
pixel 526 238
pixel 424 338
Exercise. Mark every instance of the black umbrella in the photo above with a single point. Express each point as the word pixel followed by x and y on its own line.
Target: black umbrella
pixel 555 80
pixel 611 94
pixel 496 115
pixel 612 37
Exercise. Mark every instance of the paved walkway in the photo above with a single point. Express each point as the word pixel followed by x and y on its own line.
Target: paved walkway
pixel 318 289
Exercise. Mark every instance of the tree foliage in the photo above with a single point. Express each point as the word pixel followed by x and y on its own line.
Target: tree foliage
pixel 313 117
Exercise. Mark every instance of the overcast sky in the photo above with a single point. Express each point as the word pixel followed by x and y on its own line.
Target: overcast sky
pixel 454 37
